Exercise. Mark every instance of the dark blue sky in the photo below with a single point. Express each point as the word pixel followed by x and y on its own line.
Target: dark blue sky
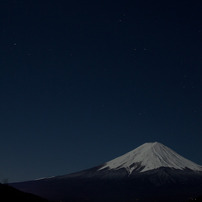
pixel 82 82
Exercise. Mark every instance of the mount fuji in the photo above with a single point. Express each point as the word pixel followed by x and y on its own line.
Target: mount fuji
pixel 151 172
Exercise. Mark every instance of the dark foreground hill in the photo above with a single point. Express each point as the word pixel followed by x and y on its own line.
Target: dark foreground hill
pixel 10 194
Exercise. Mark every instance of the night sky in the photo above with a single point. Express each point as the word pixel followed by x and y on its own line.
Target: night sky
pixel 82 82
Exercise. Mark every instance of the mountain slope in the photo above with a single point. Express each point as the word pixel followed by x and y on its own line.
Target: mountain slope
pixel 152 172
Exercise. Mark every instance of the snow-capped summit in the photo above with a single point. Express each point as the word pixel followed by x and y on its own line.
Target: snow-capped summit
pixel 150 156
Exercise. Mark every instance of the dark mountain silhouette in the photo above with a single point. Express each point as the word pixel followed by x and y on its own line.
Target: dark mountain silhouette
pixel 9 194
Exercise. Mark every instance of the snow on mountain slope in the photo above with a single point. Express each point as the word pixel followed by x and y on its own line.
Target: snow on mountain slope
pixel 151 156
